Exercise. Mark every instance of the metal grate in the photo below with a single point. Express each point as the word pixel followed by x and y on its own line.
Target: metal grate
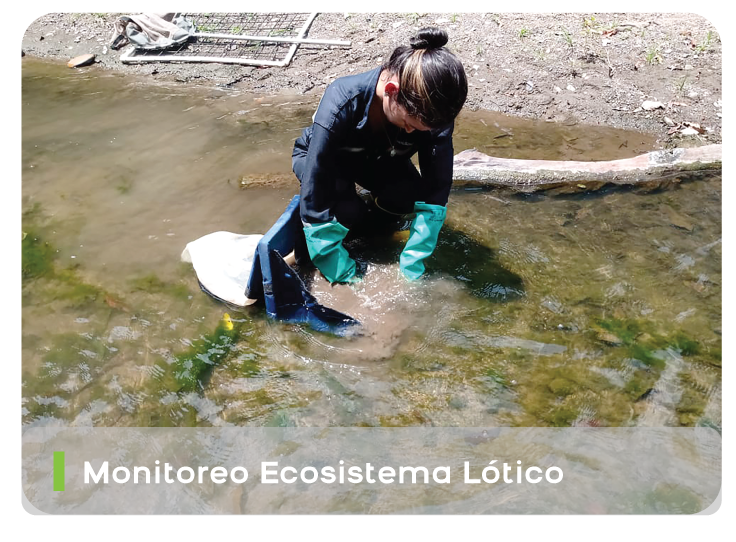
pixel 203 48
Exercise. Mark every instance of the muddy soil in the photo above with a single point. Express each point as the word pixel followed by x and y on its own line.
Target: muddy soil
pixel 659 73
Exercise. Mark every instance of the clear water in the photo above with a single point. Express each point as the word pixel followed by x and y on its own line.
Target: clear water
pixel 598 310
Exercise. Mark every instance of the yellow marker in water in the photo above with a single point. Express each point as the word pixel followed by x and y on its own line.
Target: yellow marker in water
pixel 228 322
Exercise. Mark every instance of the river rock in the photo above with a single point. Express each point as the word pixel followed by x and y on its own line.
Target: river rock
pixel 82 60
pixel 609 338
pixel 679 221
pixel 649 105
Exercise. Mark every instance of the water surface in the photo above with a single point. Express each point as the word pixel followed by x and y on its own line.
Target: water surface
pixel 597 309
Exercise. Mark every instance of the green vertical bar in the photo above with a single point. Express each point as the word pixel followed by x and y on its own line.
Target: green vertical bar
pixel 59 471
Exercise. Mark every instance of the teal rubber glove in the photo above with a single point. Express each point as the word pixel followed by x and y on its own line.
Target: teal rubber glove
pixel 423 234
pixel 324 242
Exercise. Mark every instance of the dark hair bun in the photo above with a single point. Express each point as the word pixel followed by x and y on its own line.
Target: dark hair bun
pixel 429 38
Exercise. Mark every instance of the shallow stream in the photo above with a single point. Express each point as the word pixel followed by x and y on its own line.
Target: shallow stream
pixel 599 309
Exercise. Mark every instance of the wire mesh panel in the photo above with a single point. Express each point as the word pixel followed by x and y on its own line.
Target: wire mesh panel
pixel 201 47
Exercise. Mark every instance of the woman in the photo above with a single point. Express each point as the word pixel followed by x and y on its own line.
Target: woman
pixel 366 129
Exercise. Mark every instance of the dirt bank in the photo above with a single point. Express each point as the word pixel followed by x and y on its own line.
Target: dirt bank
pixel 654 72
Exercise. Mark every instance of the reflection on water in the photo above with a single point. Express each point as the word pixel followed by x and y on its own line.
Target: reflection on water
pixel 590 310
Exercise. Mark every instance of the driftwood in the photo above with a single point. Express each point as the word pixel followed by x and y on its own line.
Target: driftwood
pixel 652 170
pixel 471 168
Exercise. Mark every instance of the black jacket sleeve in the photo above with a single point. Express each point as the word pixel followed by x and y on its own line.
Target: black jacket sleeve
pixel 435 163
pixel 318 170
pixel 318 176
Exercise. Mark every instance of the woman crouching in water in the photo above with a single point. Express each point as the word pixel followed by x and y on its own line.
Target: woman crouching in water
pixel 365 131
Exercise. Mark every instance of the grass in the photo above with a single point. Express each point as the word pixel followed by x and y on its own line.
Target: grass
pixel 567 36
pixel 653 56
pixel 707 42
pixel 523 33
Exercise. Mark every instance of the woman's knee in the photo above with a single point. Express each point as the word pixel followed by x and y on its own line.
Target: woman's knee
pixel 350 212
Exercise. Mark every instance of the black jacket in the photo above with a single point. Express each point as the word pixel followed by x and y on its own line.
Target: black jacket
pixel 341 147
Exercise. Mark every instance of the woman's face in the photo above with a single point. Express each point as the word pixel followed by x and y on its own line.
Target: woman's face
pixel 403 120
pixel 397 114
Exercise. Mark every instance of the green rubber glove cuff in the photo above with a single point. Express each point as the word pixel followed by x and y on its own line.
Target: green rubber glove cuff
pixel 324 242
pixel 423 234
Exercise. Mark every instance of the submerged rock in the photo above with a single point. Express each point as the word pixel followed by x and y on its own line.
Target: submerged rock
pixel 609 338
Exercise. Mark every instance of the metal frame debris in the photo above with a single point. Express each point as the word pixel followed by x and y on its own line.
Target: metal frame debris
pixel 254 39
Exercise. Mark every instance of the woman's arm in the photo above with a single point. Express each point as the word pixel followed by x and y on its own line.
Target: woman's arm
pixel 318 175
pixel 435 164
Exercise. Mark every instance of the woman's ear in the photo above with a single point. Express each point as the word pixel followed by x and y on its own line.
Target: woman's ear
pixel 391 88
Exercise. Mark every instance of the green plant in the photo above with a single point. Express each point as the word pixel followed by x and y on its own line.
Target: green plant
pixel 652 55
pixel 453 18
pixel 567 36
pixel 590 24
pixel 479 50
pixel 413 17
pixel 706 43
pixel 681 85
pixel 523 33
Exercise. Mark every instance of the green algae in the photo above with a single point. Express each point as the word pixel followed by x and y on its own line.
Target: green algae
pixel 39 261
pixel 176 414
pixel 690 407
pixel 640 384
pixel 550 390
pixel 646 355
pixel 191 369
pixel 409 419
pixel 558 395
pixel 152 284
pixel 38 256
pixel 561 387
pixel 497 377
pixel 71 365
pixel 626 330
pixel 642 340
pixel 684 344
pixel 669 499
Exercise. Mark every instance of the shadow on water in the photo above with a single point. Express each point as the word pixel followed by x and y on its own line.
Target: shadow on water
pixel 457 255
pixel 474 265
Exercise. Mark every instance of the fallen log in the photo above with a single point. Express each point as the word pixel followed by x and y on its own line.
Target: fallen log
pixel 652 170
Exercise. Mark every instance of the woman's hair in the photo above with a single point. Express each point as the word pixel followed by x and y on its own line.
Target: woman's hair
pixel 432 83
